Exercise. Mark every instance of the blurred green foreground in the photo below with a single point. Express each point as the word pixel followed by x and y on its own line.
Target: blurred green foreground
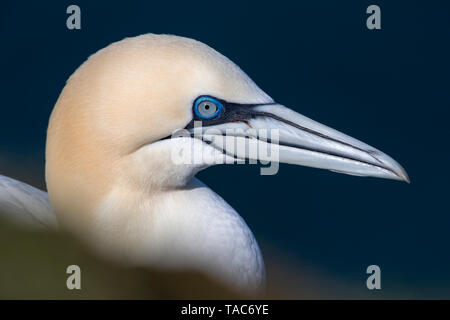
pixel 33 266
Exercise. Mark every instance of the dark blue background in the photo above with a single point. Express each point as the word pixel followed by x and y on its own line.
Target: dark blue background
pixel 388 88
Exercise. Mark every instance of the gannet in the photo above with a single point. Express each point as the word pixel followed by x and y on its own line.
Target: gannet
pixel 109 172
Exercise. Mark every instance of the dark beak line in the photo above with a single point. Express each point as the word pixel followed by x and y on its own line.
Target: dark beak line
pixel 297 147
pixel 241 112
pixel 235 112
pixel 295 125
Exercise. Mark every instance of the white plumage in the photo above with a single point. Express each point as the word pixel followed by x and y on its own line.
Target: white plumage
pixel 25 205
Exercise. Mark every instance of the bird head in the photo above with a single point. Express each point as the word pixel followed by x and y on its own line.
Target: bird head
pixel 114 123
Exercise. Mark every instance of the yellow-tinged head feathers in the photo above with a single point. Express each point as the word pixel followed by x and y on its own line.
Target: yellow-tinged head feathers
pixel 131 93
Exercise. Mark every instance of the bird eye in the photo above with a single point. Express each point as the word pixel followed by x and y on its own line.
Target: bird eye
pixel 207 107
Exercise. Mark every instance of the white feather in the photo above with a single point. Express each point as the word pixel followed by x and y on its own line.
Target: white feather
pixel 25 205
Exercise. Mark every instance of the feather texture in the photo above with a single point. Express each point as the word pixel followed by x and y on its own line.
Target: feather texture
pixel 25 205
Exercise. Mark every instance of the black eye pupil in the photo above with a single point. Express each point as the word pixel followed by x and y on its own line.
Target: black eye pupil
pixel 207 109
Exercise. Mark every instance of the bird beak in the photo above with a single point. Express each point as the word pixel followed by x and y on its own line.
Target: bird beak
pixel 296 139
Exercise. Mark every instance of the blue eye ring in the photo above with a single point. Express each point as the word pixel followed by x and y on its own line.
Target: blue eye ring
pixel 213 101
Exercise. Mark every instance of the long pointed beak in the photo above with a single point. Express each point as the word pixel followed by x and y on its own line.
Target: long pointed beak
pixel 305 142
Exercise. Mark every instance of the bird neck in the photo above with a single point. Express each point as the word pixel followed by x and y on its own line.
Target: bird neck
pixel 188 228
